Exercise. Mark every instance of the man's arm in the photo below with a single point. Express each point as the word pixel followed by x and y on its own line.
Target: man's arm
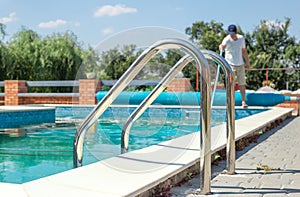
pixel 222 47
pixel 245 55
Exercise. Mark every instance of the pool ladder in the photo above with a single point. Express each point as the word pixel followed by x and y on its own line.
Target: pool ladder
pixel 193 54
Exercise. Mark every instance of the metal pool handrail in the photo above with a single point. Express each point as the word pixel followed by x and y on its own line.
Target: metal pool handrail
pixel 229 81
pixel 230 115
pixel 133 70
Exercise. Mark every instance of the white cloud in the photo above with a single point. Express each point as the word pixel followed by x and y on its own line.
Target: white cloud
pixel 107 31
pixel 10 18
pixel 110 10
pixel 52 24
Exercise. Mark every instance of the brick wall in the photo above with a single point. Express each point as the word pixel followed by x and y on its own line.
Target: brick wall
pixel 179 85
pixel 49 100
pixel 12 88
pixel 87 90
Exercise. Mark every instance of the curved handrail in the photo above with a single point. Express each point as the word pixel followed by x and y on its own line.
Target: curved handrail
pixel 229 80
pixel 106 101
pixel 128 76
pixel 230 115
pixel 205 102
pixel 150 98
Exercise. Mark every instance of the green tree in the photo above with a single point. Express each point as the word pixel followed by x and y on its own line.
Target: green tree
pixel 267 47
pixel 292 57
pixel 90 59
pixel 114 62
pixel 29 57
pixel 60 57
pixel 162 63
pixel 56 57
pixel 21 59
pixel 208 35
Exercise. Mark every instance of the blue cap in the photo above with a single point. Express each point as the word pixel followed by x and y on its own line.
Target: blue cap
pixel 232 29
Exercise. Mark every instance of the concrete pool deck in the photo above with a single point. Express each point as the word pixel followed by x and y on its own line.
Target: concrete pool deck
pixel 269 167
pixel 141 172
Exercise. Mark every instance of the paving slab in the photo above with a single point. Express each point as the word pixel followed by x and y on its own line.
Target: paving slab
pixel 276 151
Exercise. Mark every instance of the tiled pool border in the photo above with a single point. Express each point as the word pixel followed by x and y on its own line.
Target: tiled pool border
pixel 16 116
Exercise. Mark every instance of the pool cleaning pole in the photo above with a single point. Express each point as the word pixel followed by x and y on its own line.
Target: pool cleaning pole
pixel 216 81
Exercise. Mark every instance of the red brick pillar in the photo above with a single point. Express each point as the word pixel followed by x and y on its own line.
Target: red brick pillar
pixel 293 103
pixel 12 88
pixel 179 85
pixel 87 90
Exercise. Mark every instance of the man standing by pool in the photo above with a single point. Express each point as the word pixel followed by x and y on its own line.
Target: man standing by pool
pixel 235 50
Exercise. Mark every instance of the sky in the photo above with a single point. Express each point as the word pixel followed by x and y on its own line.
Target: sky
pixel 95 21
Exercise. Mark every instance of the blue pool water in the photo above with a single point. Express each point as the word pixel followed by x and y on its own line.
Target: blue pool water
pixel 31 152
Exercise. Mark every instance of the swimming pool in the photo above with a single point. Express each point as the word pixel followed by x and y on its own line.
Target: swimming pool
pixel 29 153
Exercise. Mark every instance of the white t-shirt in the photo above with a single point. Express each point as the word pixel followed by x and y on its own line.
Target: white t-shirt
pixel 233 50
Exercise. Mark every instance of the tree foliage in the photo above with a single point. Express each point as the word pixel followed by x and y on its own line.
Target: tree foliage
pixel 22 55
pixel 60 57
pixel 114 62
pixel 28 56
pixel 208 35
pixel 269 46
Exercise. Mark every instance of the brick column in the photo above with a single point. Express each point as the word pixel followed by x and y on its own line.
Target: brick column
pixel 179 85
pixel 87 90
pixel 292 103
pixel 12 88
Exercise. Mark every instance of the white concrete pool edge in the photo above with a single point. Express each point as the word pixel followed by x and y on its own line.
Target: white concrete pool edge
pixel 21 108
pixel 135 172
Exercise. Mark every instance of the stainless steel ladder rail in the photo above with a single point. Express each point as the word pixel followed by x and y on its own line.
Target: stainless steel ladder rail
pixel 230 119
pixel 230 105
pixel 149 99
pixel 203 67
pixel 125 79
pixel 230 115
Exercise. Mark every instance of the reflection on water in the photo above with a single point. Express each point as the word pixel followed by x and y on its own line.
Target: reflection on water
pixel 30 153
pixel 37 151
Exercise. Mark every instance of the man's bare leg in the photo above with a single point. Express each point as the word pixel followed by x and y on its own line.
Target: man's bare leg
pixel 243 93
